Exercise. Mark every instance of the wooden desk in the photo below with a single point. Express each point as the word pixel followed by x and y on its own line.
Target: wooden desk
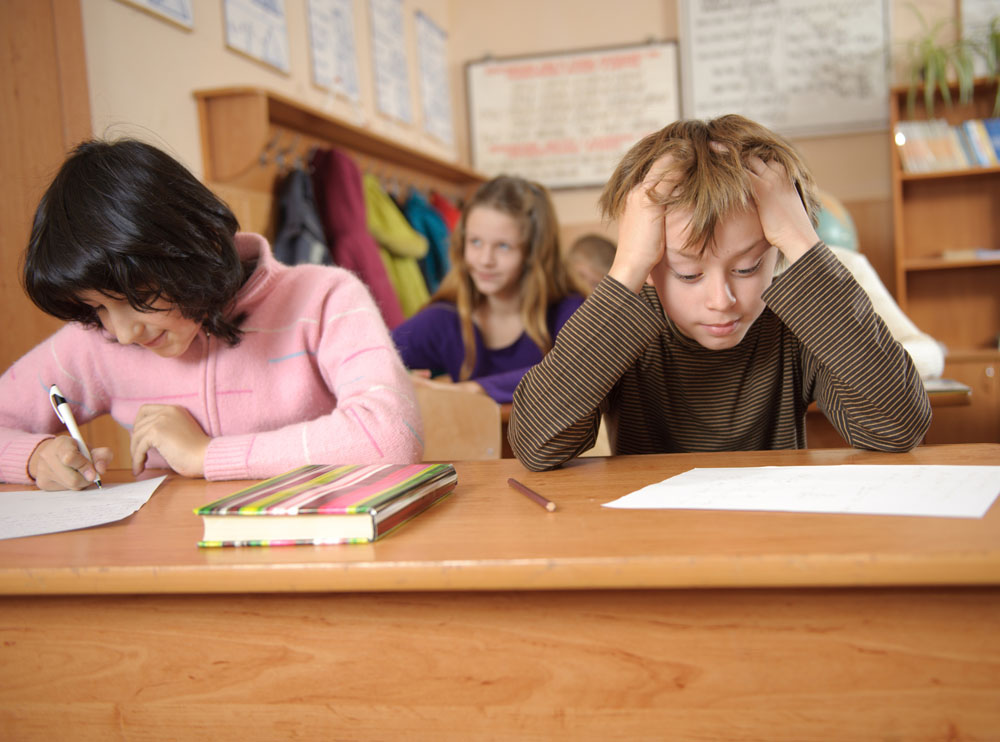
pixel 487 617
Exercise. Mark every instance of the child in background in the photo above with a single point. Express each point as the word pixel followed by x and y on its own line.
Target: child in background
pixel 589 259
pixel 223 362
pixel 504 299
pixel 688 345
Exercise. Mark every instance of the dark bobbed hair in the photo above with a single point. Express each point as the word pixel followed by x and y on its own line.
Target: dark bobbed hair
pixel 709 170
pixel 127 220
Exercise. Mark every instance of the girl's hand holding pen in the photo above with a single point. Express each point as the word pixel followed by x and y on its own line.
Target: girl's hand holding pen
pixel 173 432
pixel 57 464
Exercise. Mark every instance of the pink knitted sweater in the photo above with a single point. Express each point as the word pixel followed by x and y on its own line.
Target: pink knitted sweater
pixel 316 379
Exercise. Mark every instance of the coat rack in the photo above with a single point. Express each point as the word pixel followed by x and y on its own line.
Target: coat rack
pixel 250 136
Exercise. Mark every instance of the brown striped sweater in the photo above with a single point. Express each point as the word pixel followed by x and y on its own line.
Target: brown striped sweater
pixel 818 338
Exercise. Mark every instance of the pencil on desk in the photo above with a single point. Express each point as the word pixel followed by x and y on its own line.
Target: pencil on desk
pixel 532 495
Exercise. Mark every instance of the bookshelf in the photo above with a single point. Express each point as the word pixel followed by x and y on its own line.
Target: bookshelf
pixel 956 301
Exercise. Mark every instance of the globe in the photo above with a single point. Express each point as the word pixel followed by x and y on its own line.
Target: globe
pixel 835 225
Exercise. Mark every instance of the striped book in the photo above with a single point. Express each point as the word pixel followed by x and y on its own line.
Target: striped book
pixel 326 504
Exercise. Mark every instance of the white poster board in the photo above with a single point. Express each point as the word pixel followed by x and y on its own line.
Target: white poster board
pixel 565 120
pixel 175 11
pixel 435 87
pixel 392 73
pixel 258 29
pixel 331 41
pixel 799 67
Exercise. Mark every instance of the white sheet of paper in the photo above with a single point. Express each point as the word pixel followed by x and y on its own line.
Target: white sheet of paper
pixel 941 491
pixel 34 512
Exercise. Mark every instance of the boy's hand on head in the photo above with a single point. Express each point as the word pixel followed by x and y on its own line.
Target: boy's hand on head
pixel 642 228
pixel 783 216
pixel 173 432
pixel 57 464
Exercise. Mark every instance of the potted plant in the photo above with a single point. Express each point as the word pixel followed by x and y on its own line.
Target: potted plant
pixel 989 49
pixel 932 64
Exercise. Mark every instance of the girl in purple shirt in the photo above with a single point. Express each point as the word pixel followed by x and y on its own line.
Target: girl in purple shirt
pixel 499 309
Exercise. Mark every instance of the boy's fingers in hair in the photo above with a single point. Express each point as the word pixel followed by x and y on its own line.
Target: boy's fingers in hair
pixel 780 209
pixel 762 169
pixel 658 177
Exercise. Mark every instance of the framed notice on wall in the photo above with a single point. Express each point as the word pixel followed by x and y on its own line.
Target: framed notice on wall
pixel 258 29
pixel 799 67
pixel 565 120
pixel 392 71
pixel 334 57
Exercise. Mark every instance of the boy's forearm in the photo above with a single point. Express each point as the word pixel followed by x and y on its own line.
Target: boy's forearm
pixel 555 414
pixel 865 381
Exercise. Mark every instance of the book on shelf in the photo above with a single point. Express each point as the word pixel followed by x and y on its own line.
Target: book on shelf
pixel 325 504
pixel 935 145
pixel 980 156
pixel 992 128
pixel 986 153
pixel 971 253
pixel 968 148
pixel 929 146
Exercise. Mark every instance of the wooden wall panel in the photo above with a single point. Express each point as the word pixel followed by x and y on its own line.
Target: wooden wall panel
pixel 44 112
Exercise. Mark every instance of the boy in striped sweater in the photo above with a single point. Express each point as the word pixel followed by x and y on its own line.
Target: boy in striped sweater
pixel 694 342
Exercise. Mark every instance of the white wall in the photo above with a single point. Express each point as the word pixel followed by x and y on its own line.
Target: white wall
pixel 142 71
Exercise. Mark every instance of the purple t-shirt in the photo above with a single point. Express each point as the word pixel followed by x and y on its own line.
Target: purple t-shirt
pixel 432 339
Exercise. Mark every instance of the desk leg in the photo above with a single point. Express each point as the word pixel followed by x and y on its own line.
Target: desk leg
pixel 729 665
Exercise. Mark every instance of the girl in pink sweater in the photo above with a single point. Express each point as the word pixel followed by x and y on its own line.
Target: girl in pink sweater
pixel 224 363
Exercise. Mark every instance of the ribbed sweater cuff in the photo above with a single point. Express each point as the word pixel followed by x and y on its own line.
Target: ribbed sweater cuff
pixel 819 260
pixel 628 308
pixel 229 457
pixel 14 458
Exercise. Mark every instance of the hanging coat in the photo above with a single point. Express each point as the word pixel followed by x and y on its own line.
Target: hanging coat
pixel 300 237
pixel 429 222
pixel 399 245
pixel 341 202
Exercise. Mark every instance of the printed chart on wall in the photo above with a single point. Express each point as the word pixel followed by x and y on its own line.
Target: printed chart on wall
pixel 435 91
pixel 331 37
pixel 800 67
pixel 175 11
pixel 565 120
pixel 392 73
pixel 258 29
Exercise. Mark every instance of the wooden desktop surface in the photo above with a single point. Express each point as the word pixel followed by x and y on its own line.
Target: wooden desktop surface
pixel 489 618
pixel 486 536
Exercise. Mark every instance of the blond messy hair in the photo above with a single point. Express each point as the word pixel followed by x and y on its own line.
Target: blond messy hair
pixel 544 279
pixel 710 170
